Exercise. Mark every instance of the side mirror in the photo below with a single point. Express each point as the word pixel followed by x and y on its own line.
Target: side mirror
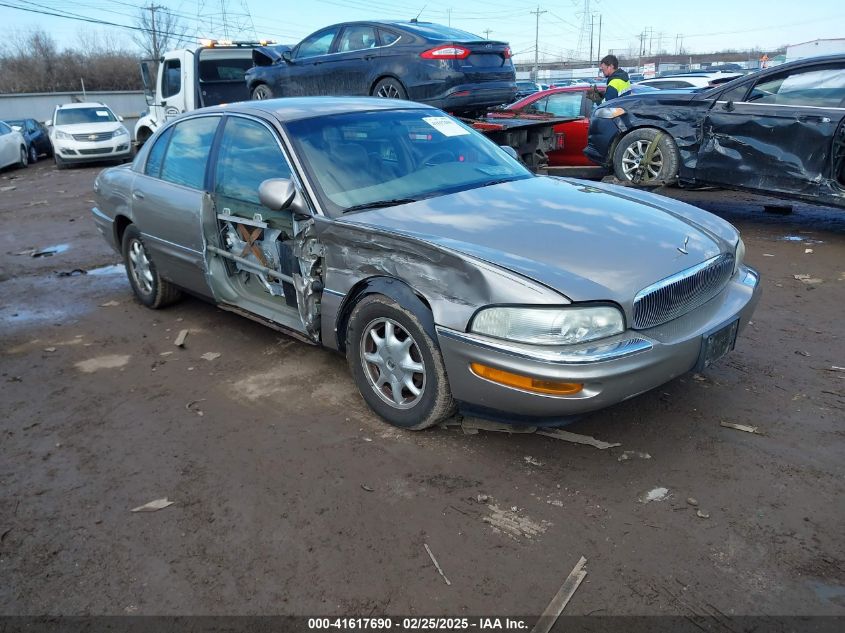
pixel 510 151
pixel 48 122
pixel 287 56
pixel 729 106
pixel 277 193
pixel 120 118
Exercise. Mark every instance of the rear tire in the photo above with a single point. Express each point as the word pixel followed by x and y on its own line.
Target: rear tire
pixel 33 154
pixel 631 150
pixel 396 365
pixel 390 88
pixel 262 92
pixel 23 161
pixel 151 290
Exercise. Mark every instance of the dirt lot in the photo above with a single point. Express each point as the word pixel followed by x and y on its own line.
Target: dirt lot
pixel 290 497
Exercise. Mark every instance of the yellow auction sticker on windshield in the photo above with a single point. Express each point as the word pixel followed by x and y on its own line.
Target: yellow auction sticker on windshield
pixel 445 125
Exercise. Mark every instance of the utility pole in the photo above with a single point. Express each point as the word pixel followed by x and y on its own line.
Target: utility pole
pixel 225 24
pixel 598 48
pixel 154 32
pixel 486 33
pixel 536 70
pixel 449 16
pixel 592 20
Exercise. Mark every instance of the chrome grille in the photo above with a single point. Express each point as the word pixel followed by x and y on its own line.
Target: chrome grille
pixel 681 293
pixel 99 136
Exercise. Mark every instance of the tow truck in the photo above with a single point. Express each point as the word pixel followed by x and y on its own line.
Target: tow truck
pixel 213 73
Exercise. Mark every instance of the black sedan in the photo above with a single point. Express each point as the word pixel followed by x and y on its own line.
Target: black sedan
pixel 778 131
pixel 36 136
pixel 429 63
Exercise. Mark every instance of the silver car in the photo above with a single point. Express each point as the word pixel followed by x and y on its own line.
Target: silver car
pixel 442 268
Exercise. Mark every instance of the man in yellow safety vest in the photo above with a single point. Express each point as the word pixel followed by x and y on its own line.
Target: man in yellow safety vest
pixel 617 79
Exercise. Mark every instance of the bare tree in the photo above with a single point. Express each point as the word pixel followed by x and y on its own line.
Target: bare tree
pixel 160 31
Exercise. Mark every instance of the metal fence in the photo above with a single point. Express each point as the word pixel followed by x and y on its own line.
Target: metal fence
pixel 129 104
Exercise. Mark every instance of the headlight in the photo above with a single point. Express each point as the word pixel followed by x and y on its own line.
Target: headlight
pixel 549 326
pixel 63 136
pixel 739 256
pixel 609 113
pixel 121 131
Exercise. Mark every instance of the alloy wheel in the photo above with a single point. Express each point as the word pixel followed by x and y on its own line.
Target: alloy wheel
pixel 393 364
pixel 139 263
pixel 633 157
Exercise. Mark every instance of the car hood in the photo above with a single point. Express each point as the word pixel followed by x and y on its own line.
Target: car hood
pixel 587 241
pixel 89 128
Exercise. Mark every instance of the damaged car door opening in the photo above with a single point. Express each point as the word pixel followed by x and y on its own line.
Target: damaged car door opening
pixel 445 271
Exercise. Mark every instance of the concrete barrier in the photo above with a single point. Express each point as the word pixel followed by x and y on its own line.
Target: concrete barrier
pixel 129 104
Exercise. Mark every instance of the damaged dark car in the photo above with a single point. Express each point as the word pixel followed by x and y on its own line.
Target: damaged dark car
pixel 781 130
pixel 430 63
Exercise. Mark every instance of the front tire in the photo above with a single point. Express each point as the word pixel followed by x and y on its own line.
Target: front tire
pixel 396 365
pixel 262 92
pixel 60 164
pixel 390 88
pixel 151 290
pixel 33 154
pixel 23 161
pixel 629 158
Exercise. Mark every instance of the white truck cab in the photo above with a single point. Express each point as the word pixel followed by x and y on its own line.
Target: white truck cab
pixel 190 78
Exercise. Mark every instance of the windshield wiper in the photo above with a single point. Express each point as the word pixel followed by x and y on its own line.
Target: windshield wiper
pixel 499 181
pixel 378 204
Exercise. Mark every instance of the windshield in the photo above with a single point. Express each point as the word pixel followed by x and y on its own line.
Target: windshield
pixel 70 116
pixel 365 158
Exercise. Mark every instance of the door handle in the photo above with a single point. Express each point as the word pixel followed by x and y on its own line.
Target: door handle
pixel 813 119
pixel 137 195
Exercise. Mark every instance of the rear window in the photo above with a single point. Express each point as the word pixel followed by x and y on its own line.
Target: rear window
pixel 99 114
pixel 441 33
pixel 224 69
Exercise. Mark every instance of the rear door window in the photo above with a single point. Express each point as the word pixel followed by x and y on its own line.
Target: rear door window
pixel 566 104
pixel 387 37
pixel 357 38
pixel 187 153
pixel 819 87
pixel 156 155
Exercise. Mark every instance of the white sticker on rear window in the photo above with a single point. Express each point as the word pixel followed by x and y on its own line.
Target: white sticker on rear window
pixel 445 125
pixel 102 112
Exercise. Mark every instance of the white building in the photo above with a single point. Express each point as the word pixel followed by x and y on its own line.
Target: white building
pixel 815 48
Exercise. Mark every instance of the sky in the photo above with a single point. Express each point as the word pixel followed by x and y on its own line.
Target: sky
pixel 564 30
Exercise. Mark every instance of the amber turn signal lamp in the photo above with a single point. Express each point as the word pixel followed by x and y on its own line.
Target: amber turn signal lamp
pixel 526 383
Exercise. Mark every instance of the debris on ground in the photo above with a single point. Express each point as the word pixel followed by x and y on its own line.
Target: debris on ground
pixel 4 534
pixel 701 514
pixel 367 488
pixel 473 425
pixel 633 454
pixel 49 349
pixel 767 255
pixel 835 368
pixel 808 251
pixel 436 564
pixel 211 355
pixel 692 501
pixel 575 438
pixel 180 339
pixel 699 378
pixel 482 498
pixel 165 354
pixel 800 353
pixel 38 203
pixel 740 427
pixel 530 460
pixel 558 604
pixel 47 252
pixel 807 279
pixel 8 188
pixel 152 506
pixel 511 523
pixel 191 406
pixel 109 304
pixel 76 272
pixel 657 494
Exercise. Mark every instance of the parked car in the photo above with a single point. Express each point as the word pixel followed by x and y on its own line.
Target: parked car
pixel 12 147
pixel 36 135
pixel 442 268
pixel 570 102
pixel 429 63
pixel 689 80
pixel 778 131
pixel 88 132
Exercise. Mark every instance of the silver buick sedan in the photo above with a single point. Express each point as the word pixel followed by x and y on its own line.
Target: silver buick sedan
pixel 444 270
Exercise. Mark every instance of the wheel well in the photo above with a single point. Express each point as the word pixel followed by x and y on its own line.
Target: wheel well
pixel 395 289
pixel 120 224
pixel 143 136
pixel 378 79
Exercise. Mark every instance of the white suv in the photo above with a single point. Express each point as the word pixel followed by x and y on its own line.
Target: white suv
pixel 87 132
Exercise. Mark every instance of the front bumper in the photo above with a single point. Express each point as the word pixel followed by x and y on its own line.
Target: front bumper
pixel 612 370
pixel 72 151
pixel 602 134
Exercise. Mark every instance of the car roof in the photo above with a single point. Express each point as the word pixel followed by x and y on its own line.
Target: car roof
pixel 86 104
pixel 297 108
